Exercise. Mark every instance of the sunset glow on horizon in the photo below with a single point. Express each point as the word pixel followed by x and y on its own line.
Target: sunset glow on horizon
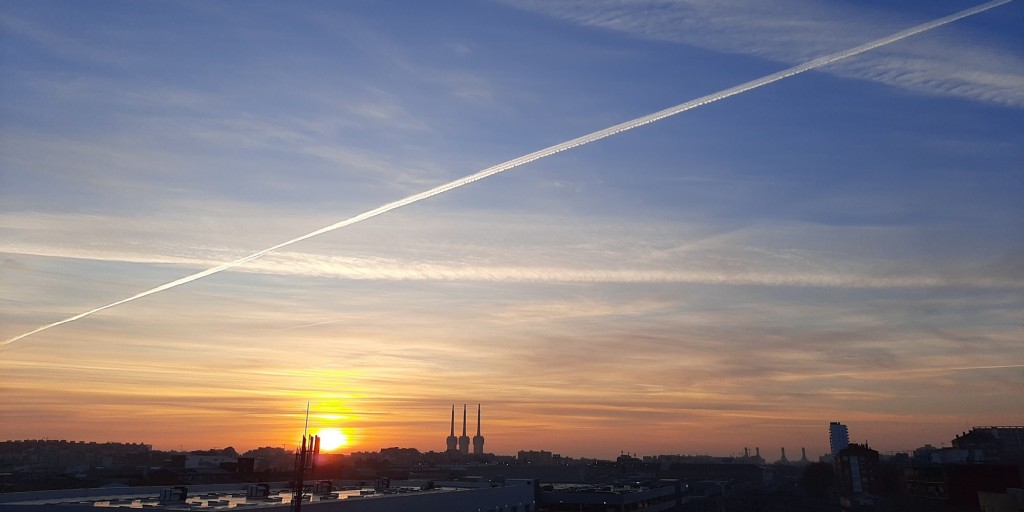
pixel 331 439
pixel 840 245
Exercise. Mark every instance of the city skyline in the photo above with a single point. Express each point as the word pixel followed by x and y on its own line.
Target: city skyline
pixel 844 244
pixel 343 448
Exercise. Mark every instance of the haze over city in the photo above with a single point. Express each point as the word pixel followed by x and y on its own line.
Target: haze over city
pixel 842 244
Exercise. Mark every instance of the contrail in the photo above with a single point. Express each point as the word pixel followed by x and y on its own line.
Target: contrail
pixel 543 153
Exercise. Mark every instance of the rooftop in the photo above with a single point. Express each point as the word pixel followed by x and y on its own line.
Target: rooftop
pixel 209 500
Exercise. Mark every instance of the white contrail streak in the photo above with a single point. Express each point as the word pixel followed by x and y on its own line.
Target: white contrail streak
pixel 546 152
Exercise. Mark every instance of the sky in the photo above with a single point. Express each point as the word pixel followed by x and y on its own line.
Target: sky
pixel 846 244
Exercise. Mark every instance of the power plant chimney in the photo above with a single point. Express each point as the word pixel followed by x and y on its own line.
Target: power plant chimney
pixel 464 439
pixel 478 440
pixel 452 441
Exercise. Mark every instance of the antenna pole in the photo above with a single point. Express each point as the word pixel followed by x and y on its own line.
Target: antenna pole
pixel 305 428
pixel 306 457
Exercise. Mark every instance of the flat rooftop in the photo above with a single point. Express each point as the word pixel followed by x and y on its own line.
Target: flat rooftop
pixel 149 498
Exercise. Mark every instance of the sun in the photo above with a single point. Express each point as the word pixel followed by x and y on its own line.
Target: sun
pixel 332 439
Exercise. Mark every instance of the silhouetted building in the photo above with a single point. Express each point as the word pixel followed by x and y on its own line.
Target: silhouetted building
pixel 396 456
pixel 562 473
pixel 991 443
pixel 747 458
pixel 478 439
pixel 660 495
pixel 1010 501
pixel 464 439
pixel 744 475
pixel 958 486
pixel 452 442
pixel 856 466
pixel 386 496
pixel 838 437
pixel 537 457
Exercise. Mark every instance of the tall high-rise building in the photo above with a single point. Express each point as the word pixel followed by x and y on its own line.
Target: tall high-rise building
pixel 452 441
pixel 478 439
pixel 857 465
pixel 464 439
pixel 838 437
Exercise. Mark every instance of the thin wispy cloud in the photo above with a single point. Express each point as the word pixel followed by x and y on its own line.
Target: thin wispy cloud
pixel 796 30
pixel 694 265
pixel 63 45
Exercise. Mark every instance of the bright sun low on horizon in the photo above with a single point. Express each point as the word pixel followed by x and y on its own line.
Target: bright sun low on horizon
pixel 332 438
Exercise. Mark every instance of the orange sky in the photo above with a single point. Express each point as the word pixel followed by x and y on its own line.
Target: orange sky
pixel 212 402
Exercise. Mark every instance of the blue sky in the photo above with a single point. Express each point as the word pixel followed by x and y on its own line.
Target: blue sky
pixel 845 244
